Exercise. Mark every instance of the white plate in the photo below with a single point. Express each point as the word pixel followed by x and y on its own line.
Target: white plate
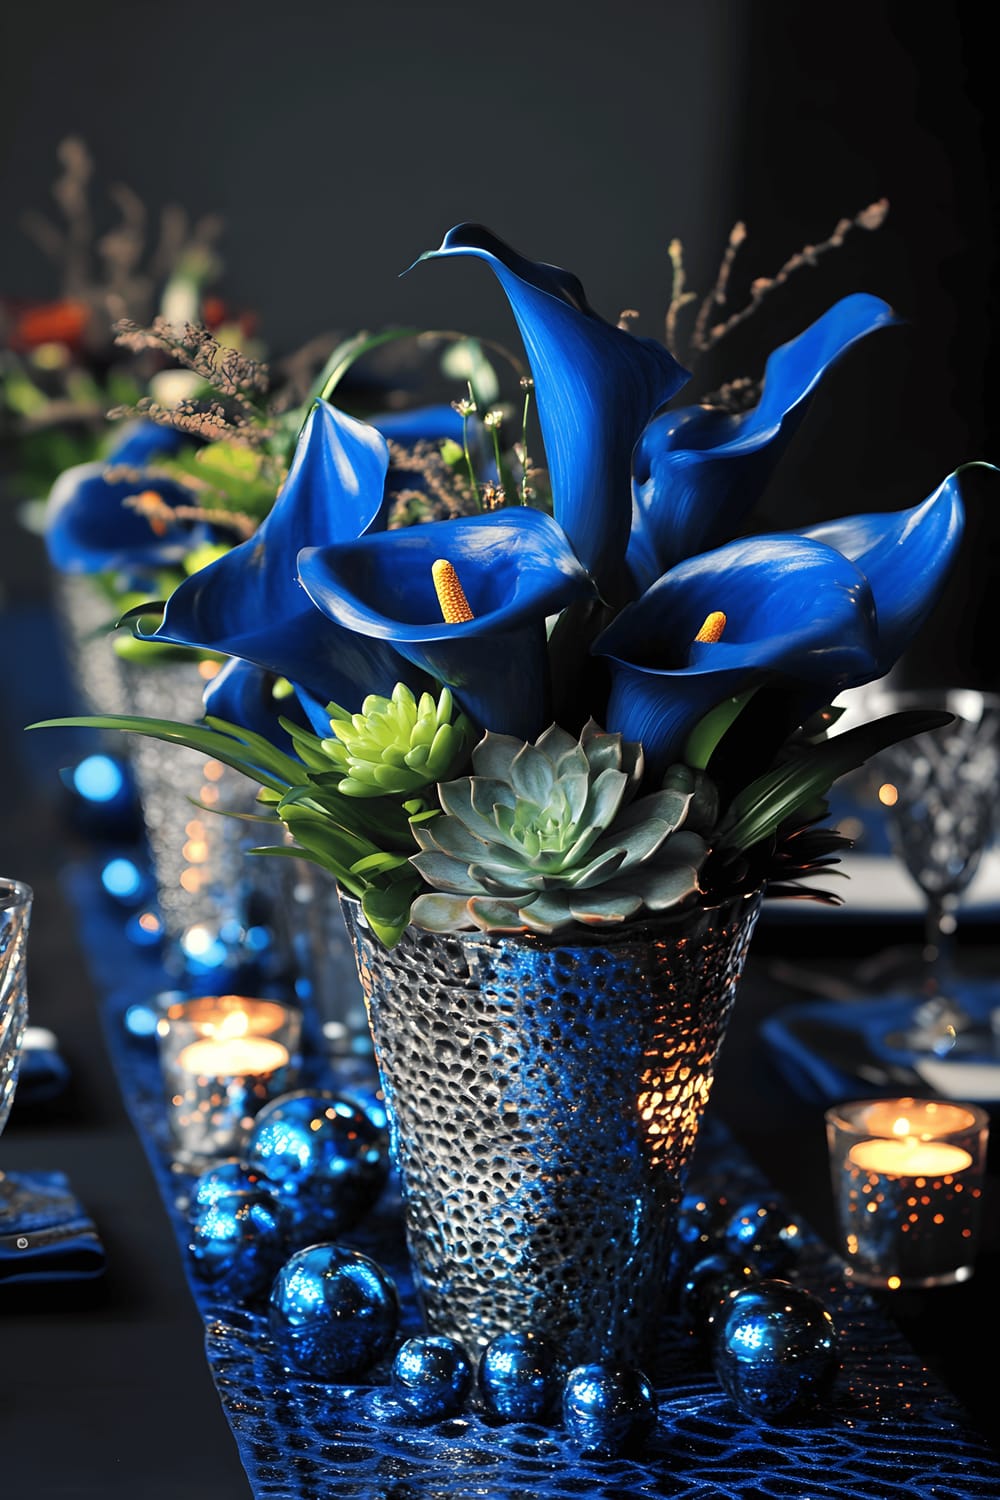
pixel 879 886
pixel 978 1081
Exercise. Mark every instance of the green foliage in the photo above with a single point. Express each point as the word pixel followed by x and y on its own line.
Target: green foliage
pixel 363 844
pixel 758 811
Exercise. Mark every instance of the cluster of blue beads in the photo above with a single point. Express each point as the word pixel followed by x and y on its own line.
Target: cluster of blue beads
pixel 606 1409
pixel 315 1163
pixel 265 1225
pixel 772 1344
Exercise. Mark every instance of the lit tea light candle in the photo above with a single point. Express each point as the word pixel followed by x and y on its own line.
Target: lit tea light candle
pixel 910 1158
pixel 907 1178
pixel 223 1057
pixel 236 1057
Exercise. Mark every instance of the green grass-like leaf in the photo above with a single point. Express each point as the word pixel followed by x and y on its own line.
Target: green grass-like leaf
pixel 758 811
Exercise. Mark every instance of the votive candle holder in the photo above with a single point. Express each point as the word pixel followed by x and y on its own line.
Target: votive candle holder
pixel 223 1057
pixel 907 1178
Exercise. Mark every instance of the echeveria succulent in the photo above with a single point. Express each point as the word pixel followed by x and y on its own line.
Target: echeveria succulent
pixel 548 834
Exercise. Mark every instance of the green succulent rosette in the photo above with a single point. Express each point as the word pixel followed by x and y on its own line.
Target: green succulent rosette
pixel 547 835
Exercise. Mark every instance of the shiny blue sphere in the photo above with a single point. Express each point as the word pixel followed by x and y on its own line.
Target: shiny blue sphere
pixel 765 1234
pixel 327 1160
pixel 608 1409
pixel 775 1353
pixel 333 1312
pixel 519 1377
pixel 431 1377
pixel 236 1244
pixel 230 1175
pixel 708 1289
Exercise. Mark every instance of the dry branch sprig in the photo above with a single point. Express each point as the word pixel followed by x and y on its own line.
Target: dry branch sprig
pixel 208 420
pixel 162 517
pixel 704 337
pixel 446 492
pixel 229 371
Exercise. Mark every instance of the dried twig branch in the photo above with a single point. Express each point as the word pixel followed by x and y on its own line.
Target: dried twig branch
pixel 227 370
pixel 717 296
pixel 162 516
pixel 208 420
pixel 705 338
pixel 679 298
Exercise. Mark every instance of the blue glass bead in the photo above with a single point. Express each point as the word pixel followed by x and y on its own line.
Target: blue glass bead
pixel 236 1244
pixel 702 1216
pixel 327 1160
pixel 765 1234
pixel 333 1312
pixel 519 1377
pixel 608 1409
pixel 775 1352
pixel 431 1377
pixel 709 1287
pixel 230 1175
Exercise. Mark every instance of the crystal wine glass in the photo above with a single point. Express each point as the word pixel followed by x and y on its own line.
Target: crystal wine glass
pixel 15 914
pixel 939 790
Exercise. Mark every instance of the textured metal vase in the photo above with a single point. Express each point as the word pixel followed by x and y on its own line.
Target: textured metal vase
pixel 15 916
pixel 204 878
pixel 544 1100
pixel 85 615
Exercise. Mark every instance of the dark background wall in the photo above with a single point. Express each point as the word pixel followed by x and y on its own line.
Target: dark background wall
pixel 338 141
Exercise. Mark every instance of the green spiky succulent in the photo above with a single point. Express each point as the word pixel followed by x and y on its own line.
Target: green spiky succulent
pixel 397 745
pixel 541 837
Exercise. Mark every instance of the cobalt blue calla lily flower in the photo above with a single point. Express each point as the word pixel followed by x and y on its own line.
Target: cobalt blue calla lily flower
pixel 698 471
pixel 628 604
pixel 420 424
pixel 249 604
pixel 596 387
pixel 515 567
pixel 90 527
pixel 793 608
pixel 906 556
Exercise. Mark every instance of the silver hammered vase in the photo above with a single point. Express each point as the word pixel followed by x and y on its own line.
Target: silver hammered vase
pixel 544 1099
pixel 199 822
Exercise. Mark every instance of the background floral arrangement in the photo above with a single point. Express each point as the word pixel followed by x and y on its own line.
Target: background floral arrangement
pixel 484 694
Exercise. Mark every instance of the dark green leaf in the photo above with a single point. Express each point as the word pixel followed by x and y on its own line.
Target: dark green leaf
pixel 758 811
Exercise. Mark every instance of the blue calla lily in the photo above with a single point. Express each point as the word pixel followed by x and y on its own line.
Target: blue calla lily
pixel 697 470
pixel 794 607
pixel 249 604
pixel 906 557
pixel 89 527
pixel 596 387
pixel 142 442
pixel 242 693
pixel 516 568
pixel 420 424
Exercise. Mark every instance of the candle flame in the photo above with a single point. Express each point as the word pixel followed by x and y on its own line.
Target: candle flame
pixel 901 1126
pixel 236 1023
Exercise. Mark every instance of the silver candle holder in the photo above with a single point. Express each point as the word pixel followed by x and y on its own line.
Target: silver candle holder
pixel 907 1180
pixel 223 1057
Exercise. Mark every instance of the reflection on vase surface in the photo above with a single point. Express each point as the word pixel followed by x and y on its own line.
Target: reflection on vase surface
pixel 544 1101
pixel 15 915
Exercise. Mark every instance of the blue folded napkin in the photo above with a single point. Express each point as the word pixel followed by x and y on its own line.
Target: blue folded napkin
pixel 45 1233
pixel 831 1050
